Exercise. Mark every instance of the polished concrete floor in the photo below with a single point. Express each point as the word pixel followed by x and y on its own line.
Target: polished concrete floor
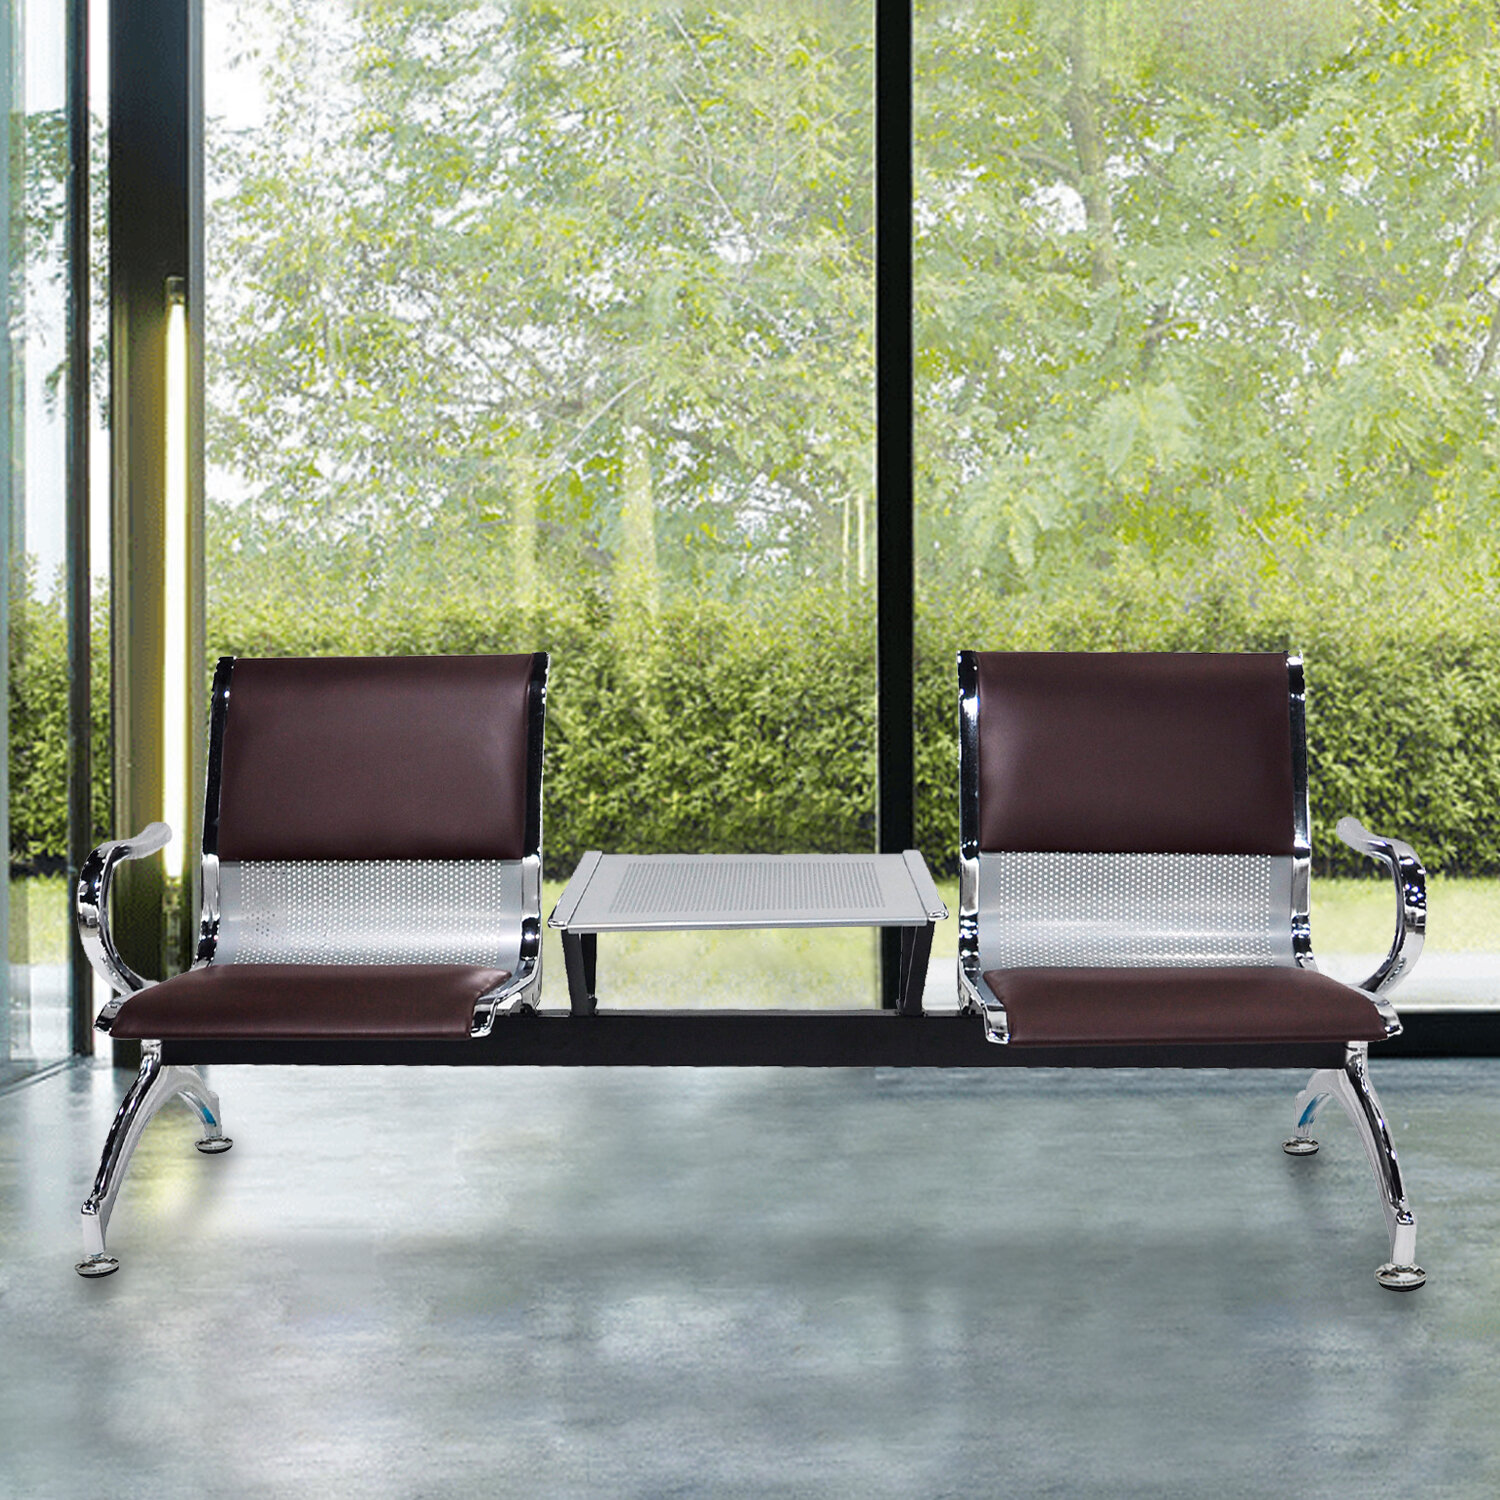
pixel 758 1283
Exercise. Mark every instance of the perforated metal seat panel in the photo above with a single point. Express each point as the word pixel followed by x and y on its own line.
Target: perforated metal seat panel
pixel 370 912
pixel 1134 910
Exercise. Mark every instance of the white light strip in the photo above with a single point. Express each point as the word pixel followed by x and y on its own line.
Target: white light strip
pixel 175 583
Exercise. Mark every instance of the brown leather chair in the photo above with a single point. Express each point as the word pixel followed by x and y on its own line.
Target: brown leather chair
pixel 372 835
pixel 1134 874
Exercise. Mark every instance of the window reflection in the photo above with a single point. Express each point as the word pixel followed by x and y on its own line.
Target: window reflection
pixel 1207 332
pixel 550 326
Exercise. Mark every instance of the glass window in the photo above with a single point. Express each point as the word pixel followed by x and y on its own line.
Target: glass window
pixel 35 1013
pixel 550 325
pixel 1207 331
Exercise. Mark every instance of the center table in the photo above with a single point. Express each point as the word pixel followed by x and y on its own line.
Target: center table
pixel 695 892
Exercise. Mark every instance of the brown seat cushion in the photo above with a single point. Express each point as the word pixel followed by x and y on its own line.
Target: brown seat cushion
pixel 310 1000
pixel 1119 1006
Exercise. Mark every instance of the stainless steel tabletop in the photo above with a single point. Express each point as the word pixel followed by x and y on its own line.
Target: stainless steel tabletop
pixel 682 892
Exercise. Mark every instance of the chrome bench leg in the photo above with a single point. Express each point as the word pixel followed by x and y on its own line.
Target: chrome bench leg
pixel 1351 1086
pixel 206 1102
pixel 1319 1090
pixel 154 1085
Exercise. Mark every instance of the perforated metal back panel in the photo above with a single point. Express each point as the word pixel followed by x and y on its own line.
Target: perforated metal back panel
pixel 370 912
pixel 1134 910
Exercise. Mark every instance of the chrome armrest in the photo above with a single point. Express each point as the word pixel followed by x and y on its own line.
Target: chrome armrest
pixel 975 998
pixel 91 908
pixel 520 992
pixel 1411 901
pixel 517 994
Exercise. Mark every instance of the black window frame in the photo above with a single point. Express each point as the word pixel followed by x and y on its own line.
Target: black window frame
pixel 156 220
pixel 156 224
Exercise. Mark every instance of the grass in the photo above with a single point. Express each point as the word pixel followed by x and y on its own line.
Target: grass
pixel 836 967
pixel 1358 916
pixel 39 918
pixel 818 967
pixel 794 968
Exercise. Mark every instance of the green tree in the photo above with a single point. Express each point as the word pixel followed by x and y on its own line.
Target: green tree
pixel 543 323
pixel 517 263
pixel 1202 288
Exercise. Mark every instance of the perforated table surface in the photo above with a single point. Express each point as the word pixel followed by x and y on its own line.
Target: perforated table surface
pixel 692 892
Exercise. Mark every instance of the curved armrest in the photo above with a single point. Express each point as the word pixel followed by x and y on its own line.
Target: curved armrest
pixel 91 906
pixel 975 998
pixel 516 995
pixel 1411 901
pixel 520 992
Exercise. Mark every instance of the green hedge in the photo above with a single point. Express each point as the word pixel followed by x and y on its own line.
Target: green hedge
pixel 38 681
pixel 718 727
pixel 710 728
pixel 1403 706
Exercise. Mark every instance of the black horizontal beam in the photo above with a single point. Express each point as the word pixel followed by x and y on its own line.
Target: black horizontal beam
pixel 1445 1033
pixel 741 1039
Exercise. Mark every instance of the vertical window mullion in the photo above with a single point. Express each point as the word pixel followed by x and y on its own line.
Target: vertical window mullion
pixel 150 145
pixel 80 707
pixel 895 763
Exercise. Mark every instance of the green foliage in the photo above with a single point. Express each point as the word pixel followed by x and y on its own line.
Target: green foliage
pixel 1183 283
pixel 744 727
pixel 714 728
pixel 536 322
pixel 541 323
pixel 39 724
pixel 602 233
pixel 740 729
pixel 1403 709
pixel 38 727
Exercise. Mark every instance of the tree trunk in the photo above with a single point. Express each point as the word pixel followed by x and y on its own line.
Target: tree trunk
pixel 522 561
pixel 1079 105
pixel 860 504
pixel 637 580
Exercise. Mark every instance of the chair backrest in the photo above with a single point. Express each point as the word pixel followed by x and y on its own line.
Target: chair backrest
pixel 373 809
pixel 1132 809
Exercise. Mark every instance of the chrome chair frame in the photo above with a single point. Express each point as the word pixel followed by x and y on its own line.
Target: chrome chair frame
pixel 158 1082
pixel 1350 1084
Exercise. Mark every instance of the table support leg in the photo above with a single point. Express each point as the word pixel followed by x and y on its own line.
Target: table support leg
pixel 580 958
pixel 916 945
